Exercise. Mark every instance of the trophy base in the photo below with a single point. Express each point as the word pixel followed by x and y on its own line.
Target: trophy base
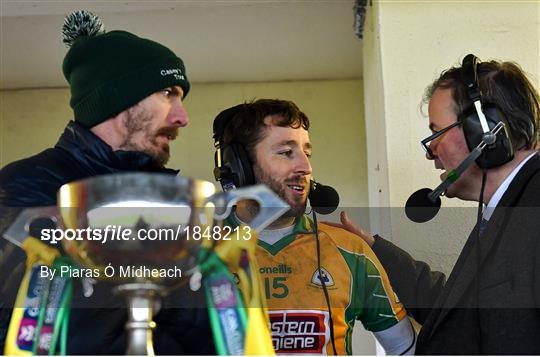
pixel 143 301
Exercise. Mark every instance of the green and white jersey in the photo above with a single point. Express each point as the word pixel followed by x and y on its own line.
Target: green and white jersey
pixel 357 285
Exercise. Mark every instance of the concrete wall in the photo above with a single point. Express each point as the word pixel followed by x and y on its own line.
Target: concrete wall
pixel 31 120
pixel 407 45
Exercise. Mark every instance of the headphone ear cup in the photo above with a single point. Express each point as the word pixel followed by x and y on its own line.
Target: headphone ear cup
pixel 237 160
pixel 496 154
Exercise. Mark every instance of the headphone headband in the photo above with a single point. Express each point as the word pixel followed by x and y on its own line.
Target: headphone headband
pixel 223 119
pixel 232 166
pixel 470 76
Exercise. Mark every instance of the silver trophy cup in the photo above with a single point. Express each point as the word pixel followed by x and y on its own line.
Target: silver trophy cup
pixel 141 220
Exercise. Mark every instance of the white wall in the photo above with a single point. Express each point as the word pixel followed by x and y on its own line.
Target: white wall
pixel 32 120
pixel 407 45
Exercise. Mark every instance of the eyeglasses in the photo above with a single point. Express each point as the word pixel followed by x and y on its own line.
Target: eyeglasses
pixel 427 141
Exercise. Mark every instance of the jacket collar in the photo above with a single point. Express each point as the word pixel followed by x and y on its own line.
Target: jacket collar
pixel 91 151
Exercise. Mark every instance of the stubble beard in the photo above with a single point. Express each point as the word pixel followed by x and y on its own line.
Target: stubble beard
pixel 298 206
pixel 139 122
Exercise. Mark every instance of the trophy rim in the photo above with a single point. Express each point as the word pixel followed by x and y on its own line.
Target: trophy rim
pixel 77 198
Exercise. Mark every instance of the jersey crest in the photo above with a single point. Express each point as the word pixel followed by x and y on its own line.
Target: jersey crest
pixel 326 278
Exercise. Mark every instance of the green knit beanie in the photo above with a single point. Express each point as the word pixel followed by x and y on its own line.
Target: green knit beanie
pixel 110 72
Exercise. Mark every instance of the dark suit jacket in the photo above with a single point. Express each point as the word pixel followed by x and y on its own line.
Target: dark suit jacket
pixel 491 301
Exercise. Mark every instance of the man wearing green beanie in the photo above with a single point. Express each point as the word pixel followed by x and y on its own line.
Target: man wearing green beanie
pixel 127 90
pixel 127 96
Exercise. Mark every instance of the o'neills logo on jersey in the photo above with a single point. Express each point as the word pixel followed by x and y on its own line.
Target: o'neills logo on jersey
pixel 299 331
pixel 176 72
pixel 278 269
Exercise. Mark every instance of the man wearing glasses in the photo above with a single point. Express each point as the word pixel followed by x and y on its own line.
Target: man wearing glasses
pixel 490 304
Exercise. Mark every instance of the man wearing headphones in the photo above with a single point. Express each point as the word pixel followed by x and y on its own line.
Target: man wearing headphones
pixel 490 304
pixel 317 279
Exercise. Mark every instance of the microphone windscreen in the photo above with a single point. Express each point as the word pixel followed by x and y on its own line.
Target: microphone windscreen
pixel 419 208
pixel 323 199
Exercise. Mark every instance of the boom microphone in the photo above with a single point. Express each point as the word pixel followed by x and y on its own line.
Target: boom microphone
pixel 425 203
pixel 323 199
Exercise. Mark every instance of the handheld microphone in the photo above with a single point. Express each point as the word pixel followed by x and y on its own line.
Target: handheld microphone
pixel 425 203
pixel 323 199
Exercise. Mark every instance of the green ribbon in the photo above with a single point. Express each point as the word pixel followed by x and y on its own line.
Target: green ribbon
pixel 225 305
pixel 55 304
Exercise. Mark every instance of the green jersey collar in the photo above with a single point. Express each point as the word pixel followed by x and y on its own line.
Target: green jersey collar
pixel 302 225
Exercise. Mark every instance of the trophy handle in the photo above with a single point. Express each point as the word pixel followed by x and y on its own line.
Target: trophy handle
pixel 271 207
pixel 19 230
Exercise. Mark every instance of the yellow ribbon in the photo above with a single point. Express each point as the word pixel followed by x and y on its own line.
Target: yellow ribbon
pixel 258 337
pixel 36 253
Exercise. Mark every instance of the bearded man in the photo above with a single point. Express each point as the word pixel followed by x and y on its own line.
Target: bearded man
pixel 317 279
pixel 127 96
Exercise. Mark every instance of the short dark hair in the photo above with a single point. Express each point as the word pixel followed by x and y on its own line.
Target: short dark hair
pixel 505 85
pixel 248 126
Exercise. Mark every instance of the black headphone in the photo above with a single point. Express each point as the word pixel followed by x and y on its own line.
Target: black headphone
pixel 479 118
pixel 233 167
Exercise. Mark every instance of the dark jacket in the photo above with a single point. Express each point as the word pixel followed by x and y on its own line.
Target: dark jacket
pixel 490 303
pixel 33 182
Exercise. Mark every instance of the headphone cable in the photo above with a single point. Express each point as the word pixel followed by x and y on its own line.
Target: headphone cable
pixel 325 291
pixel 479 224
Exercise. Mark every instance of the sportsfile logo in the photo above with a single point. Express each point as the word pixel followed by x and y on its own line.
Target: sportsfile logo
pixel 299 331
